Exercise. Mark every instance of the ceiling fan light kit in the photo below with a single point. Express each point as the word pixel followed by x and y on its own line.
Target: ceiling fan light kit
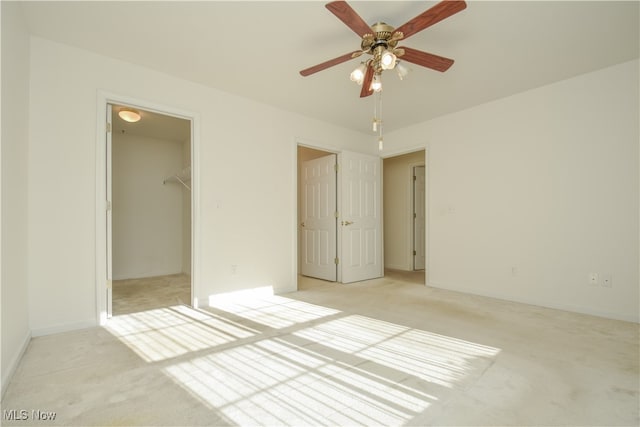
pixel 381 42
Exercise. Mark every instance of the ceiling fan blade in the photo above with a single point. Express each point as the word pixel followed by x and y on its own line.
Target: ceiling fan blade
pixel 346 14
pixel 366 83
pixel 330 63
pixel 437 13
pixel 429 60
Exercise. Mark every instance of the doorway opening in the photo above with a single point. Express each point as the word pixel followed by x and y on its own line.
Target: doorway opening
pixel 404 207
pixel 339 213
pixel 150 222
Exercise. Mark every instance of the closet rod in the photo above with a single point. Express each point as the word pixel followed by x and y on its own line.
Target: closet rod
pixel 179 179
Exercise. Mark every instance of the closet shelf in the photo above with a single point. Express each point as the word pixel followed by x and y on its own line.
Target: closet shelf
pixel 182 177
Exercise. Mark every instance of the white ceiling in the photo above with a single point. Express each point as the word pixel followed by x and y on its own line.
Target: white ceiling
pixel 255 49
pixel 152 125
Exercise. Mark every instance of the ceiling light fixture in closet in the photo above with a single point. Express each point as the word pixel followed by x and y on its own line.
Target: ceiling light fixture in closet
pixel 129 115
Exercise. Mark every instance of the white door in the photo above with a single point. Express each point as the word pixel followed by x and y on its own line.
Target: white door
pixel 360 217
pixel 318 218
pixel 109 215
pixel 419 218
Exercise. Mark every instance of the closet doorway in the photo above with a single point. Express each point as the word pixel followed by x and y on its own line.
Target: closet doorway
pixel 149 226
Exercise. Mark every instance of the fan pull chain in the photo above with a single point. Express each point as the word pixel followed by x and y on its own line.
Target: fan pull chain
pixel 380 140
pixel 375 116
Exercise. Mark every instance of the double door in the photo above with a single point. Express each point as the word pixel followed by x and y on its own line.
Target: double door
pixel 341 217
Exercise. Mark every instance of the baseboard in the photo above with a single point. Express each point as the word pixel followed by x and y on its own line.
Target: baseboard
pixel 13 365
pixel 397 267
pixel 147 275
pixel 563 307
pixel 64 327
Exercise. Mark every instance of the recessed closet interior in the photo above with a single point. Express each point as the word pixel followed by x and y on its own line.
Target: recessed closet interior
pixel 151 208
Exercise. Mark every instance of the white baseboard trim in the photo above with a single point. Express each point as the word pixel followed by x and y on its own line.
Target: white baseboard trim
pixel 13 365
pixel 397 267
pixel 147 275
pixel 574 309
pixel 65 327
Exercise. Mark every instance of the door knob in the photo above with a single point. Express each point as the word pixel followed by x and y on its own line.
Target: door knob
pixel 302 224
pixel 347 222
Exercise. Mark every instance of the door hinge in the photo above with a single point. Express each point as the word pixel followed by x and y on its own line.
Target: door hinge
pixel 415 177
pixel 336 260
pixel 415 253
pixel 108 206
pixel 336 214
pixel 335 167
pixel 415 215
pixel 108 127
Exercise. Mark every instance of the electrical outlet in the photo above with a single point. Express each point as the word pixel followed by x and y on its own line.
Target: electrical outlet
pixel 607 281
pixel 593 279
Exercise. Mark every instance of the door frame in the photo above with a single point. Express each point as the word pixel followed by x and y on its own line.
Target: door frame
pixel 104 98
pixel 412 169
pixel 396 153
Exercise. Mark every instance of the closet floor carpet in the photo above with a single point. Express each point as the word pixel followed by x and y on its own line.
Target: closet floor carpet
pixel 132 295
pixel 382 352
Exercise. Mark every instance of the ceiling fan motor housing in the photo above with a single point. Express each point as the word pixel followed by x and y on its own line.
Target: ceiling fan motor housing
pixel 378 42
pixel 381 36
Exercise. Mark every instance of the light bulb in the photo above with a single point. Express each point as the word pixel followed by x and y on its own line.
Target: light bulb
pixel 380 144
pixel 387 60
pixel 376 84
pixel 375 125
pixel 357 75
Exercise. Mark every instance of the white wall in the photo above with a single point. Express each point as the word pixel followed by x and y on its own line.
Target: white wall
pixel 15 133
pixel 544 182
pixel 247 180
pixel 147 214
pixel 398 209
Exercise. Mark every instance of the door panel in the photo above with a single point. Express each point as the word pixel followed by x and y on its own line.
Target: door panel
pixel 361 217
pixel 419 225
pixel 318 220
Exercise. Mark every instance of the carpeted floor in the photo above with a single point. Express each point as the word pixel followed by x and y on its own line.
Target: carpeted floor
pixel 133 295
pixel 382 352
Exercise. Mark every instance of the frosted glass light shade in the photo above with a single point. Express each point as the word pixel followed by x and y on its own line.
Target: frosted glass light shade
pixel 387 60
pixel 130 116
pixel 376 84
pixel 402 71
pixel 357 75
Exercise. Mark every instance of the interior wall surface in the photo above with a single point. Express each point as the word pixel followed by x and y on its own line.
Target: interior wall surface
pixel 14 152
pixel 398 209
pixel 147 213
pixel 247 194
pixel 531 194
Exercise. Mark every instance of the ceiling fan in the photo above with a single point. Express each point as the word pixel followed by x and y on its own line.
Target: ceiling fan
pixel 381 42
